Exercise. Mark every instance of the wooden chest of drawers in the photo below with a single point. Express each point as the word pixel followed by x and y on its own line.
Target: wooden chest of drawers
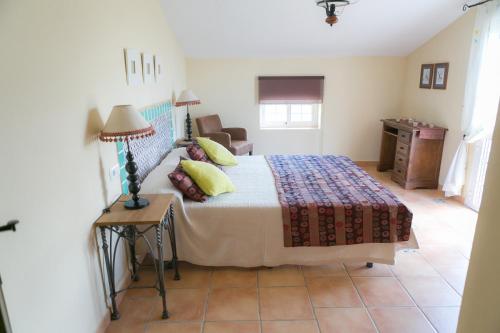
pixel 413 152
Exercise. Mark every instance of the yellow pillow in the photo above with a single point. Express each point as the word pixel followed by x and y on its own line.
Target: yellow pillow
pixel 208 177
pixel 217 152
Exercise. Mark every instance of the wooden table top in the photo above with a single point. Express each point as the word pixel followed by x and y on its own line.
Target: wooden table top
pixel 152 214
pixel 406 125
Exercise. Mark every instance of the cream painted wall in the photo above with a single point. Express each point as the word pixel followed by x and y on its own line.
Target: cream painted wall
pixel 359 91
pixel 481 300
pixel 441 107
pixel 62 70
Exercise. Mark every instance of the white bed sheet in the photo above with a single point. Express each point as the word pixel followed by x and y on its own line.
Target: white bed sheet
pixel 245 228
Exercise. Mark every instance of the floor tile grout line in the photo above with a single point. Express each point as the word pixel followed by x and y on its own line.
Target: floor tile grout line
pixel 205 305
pixel 150 317
pixel 310 300
pixel 417 305
pixel 166 322
pixel 348 274
pixel 365 307
pixel 442 276
pixel 258 302
pixel 451 246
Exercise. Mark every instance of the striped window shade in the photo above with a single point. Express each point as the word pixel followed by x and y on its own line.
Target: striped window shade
pixel 291 89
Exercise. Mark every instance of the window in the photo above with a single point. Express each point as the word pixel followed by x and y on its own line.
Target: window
pixel 276 116
pixel 290 101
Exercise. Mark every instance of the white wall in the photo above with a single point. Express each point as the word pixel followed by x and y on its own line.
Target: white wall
pixel 359 91
pixel 441 107
pixel 481 300
pixel 62 69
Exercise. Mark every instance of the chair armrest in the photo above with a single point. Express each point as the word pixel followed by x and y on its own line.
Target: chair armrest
pixel 236 133
pixel 222 138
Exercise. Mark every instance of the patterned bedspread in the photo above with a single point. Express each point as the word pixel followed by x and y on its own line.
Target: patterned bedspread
pixel 328 200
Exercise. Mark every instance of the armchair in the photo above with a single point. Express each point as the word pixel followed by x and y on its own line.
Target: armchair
pixel 234 139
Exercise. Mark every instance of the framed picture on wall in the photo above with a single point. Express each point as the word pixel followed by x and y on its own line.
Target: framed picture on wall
pixel 158 68
pixel 148 67
pixel 426 74
pixel 133 67
pixel 440 75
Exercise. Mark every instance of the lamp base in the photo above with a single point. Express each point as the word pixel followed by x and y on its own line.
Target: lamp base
pixel 189 126
pixel 139 204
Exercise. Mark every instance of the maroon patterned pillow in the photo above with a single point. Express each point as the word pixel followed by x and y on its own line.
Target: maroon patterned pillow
pixel 196 153
pixel 185 184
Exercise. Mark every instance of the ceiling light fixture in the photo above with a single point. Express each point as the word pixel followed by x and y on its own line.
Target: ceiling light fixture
pixel 334 8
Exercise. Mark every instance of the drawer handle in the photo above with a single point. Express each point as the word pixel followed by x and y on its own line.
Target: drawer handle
pixel 399 171
pixel 400 160
pixel 402 148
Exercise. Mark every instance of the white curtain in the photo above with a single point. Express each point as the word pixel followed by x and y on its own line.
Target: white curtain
pixel 481 93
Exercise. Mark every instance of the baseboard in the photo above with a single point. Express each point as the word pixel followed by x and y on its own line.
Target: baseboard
pixel 366 163
pixel 106 320
pixel 103 326
pixel 458 198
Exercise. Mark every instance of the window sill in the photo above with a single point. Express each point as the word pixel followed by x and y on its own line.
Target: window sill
pixel 290 128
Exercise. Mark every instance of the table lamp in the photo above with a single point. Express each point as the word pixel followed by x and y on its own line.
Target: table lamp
pixel 126 124
pixel 188 98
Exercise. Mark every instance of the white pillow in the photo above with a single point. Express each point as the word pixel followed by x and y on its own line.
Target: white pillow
pixel 174 156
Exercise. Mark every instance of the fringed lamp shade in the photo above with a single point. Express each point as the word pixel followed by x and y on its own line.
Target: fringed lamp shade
pixel 187 97
pixel 125 123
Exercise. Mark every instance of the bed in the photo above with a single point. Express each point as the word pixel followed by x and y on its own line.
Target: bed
pixel 244 228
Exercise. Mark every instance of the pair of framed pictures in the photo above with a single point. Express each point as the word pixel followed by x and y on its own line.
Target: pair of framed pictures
pixel 143 67
pixel 434 76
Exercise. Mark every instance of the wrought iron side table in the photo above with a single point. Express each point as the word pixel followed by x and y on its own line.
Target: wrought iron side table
pixel 124 224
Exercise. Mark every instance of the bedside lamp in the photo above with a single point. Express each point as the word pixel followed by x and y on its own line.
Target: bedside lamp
pixel 125 124
pixel 188 98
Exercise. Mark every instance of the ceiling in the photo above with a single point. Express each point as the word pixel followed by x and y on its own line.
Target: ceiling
pixel 296 28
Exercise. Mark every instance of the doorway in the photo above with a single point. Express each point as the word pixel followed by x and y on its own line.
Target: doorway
pixel 485 106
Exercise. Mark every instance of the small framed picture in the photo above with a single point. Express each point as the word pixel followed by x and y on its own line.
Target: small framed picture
pixel 426 74
pixel 440 75
pixel 133 67
pixel 158 68
pixel 148 67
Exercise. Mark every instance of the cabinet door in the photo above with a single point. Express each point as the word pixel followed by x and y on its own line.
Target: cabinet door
pixel 425 162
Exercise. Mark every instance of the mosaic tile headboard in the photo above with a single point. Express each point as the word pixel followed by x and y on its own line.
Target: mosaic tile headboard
pixel 150 151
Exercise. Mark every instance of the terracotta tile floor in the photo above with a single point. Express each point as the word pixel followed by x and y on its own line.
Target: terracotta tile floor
pixel 421 293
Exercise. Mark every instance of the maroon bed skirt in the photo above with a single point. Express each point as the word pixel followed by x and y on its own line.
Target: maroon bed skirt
pixel 328 201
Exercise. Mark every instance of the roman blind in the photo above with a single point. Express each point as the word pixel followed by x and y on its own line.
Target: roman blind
pixel 291 89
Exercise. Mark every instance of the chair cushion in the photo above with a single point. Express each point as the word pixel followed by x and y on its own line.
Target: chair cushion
pixel 208 177
pixel 240 147
pixel 217 152
pixel 186 185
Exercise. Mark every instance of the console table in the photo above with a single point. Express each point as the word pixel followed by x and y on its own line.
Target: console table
pixel 413 151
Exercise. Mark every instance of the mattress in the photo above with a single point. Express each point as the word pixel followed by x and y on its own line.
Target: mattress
pixel 245 228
